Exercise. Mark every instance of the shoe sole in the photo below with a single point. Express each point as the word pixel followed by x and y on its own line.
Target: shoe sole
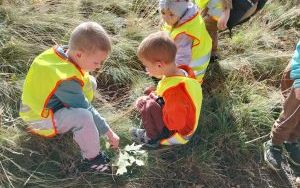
pixel 268 163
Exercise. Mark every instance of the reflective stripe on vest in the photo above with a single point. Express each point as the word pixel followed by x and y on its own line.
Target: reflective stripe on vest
pixel 45 127
pixel 46 73
pixel 194 91
pixel 199 66
pixel 202 43
pixel 175 140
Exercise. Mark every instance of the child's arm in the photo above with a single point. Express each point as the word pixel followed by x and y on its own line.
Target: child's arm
pixel 222 22
pixel 295 72
pixel 70 94
pixel 113 138
pixel 184 49
pixel 227 4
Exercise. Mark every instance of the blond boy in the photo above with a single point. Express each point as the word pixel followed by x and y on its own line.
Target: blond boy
pixel 58 90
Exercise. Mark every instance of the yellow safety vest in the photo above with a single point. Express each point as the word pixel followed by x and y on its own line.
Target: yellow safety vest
pixel 215 7
pixel 201 4
pixel 202 43
pixel 47 71
pixel 194 91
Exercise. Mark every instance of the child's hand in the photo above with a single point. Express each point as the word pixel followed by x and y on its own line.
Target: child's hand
pixel 113 139
pixel 153 96
pixel 297 93
pixel 222 22
pixel 140 102
pixel 149 89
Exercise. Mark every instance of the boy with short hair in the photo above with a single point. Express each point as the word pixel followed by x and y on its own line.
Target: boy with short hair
pixel 58 90
pixel 286 129
pixel 186 27
pixel 170 115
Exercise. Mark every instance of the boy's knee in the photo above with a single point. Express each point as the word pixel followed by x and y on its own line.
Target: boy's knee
pixel 152 105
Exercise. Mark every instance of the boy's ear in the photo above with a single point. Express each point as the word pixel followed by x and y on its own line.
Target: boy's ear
pixel 160 64
pixel 78 54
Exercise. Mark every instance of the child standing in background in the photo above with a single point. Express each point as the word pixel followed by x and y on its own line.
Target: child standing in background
pixel 223 14
pixel 186 27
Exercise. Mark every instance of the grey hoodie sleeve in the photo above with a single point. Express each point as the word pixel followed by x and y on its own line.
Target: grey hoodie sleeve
pixel 184 49
pixel 71 95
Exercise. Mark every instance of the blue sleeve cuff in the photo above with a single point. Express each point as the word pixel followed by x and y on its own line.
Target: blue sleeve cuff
pixel 297 83
pixel 100 122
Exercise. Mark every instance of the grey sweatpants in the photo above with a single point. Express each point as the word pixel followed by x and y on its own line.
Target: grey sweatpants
pixel 85 133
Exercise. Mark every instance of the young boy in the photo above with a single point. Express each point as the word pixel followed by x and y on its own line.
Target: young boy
pixel 187 28
pixel 286 129
pixel 220 14
pixel 58 90
pixel 170 115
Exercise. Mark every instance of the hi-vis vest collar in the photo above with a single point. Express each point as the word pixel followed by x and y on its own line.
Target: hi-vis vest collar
pixel 46 73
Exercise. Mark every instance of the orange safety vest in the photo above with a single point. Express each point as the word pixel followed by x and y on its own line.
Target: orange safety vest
pixel 194 90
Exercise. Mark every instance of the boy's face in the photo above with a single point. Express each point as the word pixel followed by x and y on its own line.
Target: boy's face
pixel 154 69
pixel 90 61
pixel 169 17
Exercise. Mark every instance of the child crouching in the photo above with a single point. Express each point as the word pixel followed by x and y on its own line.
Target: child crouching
pixel 170 114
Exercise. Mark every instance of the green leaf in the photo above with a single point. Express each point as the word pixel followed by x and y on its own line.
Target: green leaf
pixel 121 170
pixel 139 162
pixel 133 147
pixel 128 156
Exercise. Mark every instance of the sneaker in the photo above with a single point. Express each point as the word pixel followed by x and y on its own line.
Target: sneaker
pixel 100 163
pixel 214 58
pixel 273 155
pixel 293 151
pixel 139 136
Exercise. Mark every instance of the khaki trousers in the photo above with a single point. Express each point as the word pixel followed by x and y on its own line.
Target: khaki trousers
pixel 287 126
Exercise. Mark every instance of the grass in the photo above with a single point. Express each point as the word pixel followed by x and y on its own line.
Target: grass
pixel 241 97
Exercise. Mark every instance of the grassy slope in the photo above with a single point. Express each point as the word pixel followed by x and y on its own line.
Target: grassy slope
pixel 242 96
